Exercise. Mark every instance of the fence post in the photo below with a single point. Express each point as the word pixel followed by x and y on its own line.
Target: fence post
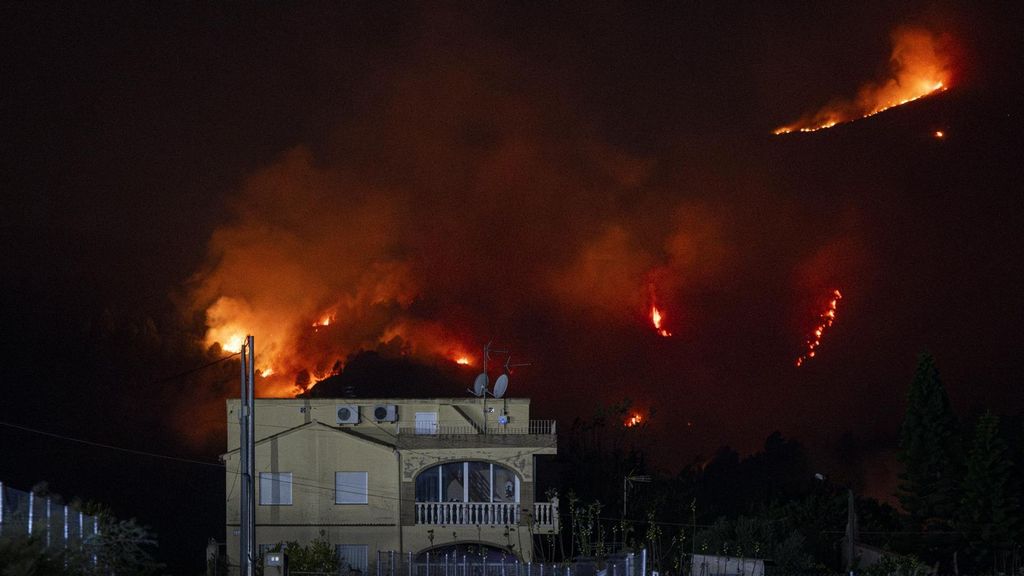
pixel 428 563
pixel 391 562
pixel 409 562
pixel 643 561
pixel 48 522
pixel 96 533
pixel 31 501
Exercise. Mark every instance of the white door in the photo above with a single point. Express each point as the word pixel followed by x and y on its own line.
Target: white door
pixel 426 422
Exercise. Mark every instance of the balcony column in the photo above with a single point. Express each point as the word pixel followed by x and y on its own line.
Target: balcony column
pixel 526 500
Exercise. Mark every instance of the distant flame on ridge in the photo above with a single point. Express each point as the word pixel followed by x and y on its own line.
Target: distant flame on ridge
pixel 920 68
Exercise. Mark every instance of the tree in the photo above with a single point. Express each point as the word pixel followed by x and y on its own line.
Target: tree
pixel 28 556
pixel 929 450
pixel 985 515
pixel 316 556
pixel 121 547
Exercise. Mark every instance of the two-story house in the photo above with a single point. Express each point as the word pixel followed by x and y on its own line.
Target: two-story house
pixel 395 476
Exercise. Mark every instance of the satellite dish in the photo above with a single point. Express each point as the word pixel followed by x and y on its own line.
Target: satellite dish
pixel 500 386
pixel 480 385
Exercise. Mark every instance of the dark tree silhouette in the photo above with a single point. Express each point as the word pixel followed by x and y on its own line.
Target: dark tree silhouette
pixel 930 451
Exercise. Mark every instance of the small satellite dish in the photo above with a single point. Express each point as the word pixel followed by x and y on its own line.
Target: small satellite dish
pixel 500 386
pixel 480 384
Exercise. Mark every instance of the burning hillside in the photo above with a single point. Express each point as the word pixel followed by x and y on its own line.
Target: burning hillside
pixel 920 67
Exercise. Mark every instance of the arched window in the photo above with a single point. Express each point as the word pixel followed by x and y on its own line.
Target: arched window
pixel 467 482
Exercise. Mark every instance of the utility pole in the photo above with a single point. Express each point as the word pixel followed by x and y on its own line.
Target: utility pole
pixel 851 531
pixel 247 452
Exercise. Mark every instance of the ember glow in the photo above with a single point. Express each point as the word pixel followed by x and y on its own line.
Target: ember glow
pixel 322 322
pixel 920 68
pixel 656 318
pixel 825 321
pixel 462 360
pixel 657 315
pixel 633 420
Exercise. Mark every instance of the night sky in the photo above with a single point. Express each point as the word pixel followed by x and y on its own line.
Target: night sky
pixel 430 177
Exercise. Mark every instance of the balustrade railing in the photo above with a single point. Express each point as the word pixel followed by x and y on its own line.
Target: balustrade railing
pixel 471 513
pixel 544 513
pixel 538 427
pixel 467 513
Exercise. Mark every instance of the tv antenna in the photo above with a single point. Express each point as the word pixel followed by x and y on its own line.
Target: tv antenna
pixel 482 381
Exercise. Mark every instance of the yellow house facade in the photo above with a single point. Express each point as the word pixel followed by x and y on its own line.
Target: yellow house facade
pixel 394 476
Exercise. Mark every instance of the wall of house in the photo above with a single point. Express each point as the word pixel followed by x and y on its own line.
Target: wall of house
pixel 318 448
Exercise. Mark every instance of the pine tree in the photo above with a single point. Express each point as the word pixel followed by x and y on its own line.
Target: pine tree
pixel 929 450
pixel 985 514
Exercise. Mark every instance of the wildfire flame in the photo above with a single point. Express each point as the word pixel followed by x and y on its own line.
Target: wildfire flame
pixel 656 318
pixel 920 68
pixel 286 371
pixel 634 420
pixel 826 319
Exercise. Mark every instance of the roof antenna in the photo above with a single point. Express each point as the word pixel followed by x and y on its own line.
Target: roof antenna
pixel 480 384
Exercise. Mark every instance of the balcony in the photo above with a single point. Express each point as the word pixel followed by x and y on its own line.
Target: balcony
pixel 545 514
pixel 534 427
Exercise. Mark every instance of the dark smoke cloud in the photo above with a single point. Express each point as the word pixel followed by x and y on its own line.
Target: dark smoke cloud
pixel 466 196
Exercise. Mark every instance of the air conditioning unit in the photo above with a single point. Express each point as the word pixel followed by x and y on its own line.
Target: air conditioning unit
pixel 385 413
pixel 348 414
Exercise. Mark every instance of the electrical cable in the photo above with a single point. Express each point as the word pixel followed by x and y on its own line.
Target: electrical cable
pixel 196 369
pixel 110 446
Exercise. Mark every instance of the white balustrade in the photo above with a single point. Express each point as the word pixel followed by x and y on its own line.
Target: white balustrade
pixel 486 513
pixel 467 513
pixel 544 513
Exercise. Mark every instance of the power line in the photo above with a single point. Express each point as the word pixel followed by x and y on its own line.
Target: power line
pixel 196 369
pixel 109 446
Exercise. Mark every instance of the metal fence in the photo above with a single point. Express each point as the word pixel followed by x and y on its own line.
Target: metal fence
pixel 395 564
pixel 535 427
pixel 57 524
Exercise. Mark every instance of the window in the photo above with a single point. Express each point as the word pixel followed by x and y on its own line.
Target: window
pixel 352 557
pixel 454 489
pixel 350 488
pixel 275 488
pixel 428 487
pixel 505 485
pixel 426 422
pixel 467 482
pixel 479 483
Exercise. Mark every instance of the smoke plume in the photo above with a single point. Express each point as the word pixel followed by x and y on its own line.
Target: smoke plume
pixel 920 65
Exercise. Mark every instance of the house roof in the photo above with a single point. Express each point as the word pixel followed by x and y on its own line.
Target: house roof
pixel 318 425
